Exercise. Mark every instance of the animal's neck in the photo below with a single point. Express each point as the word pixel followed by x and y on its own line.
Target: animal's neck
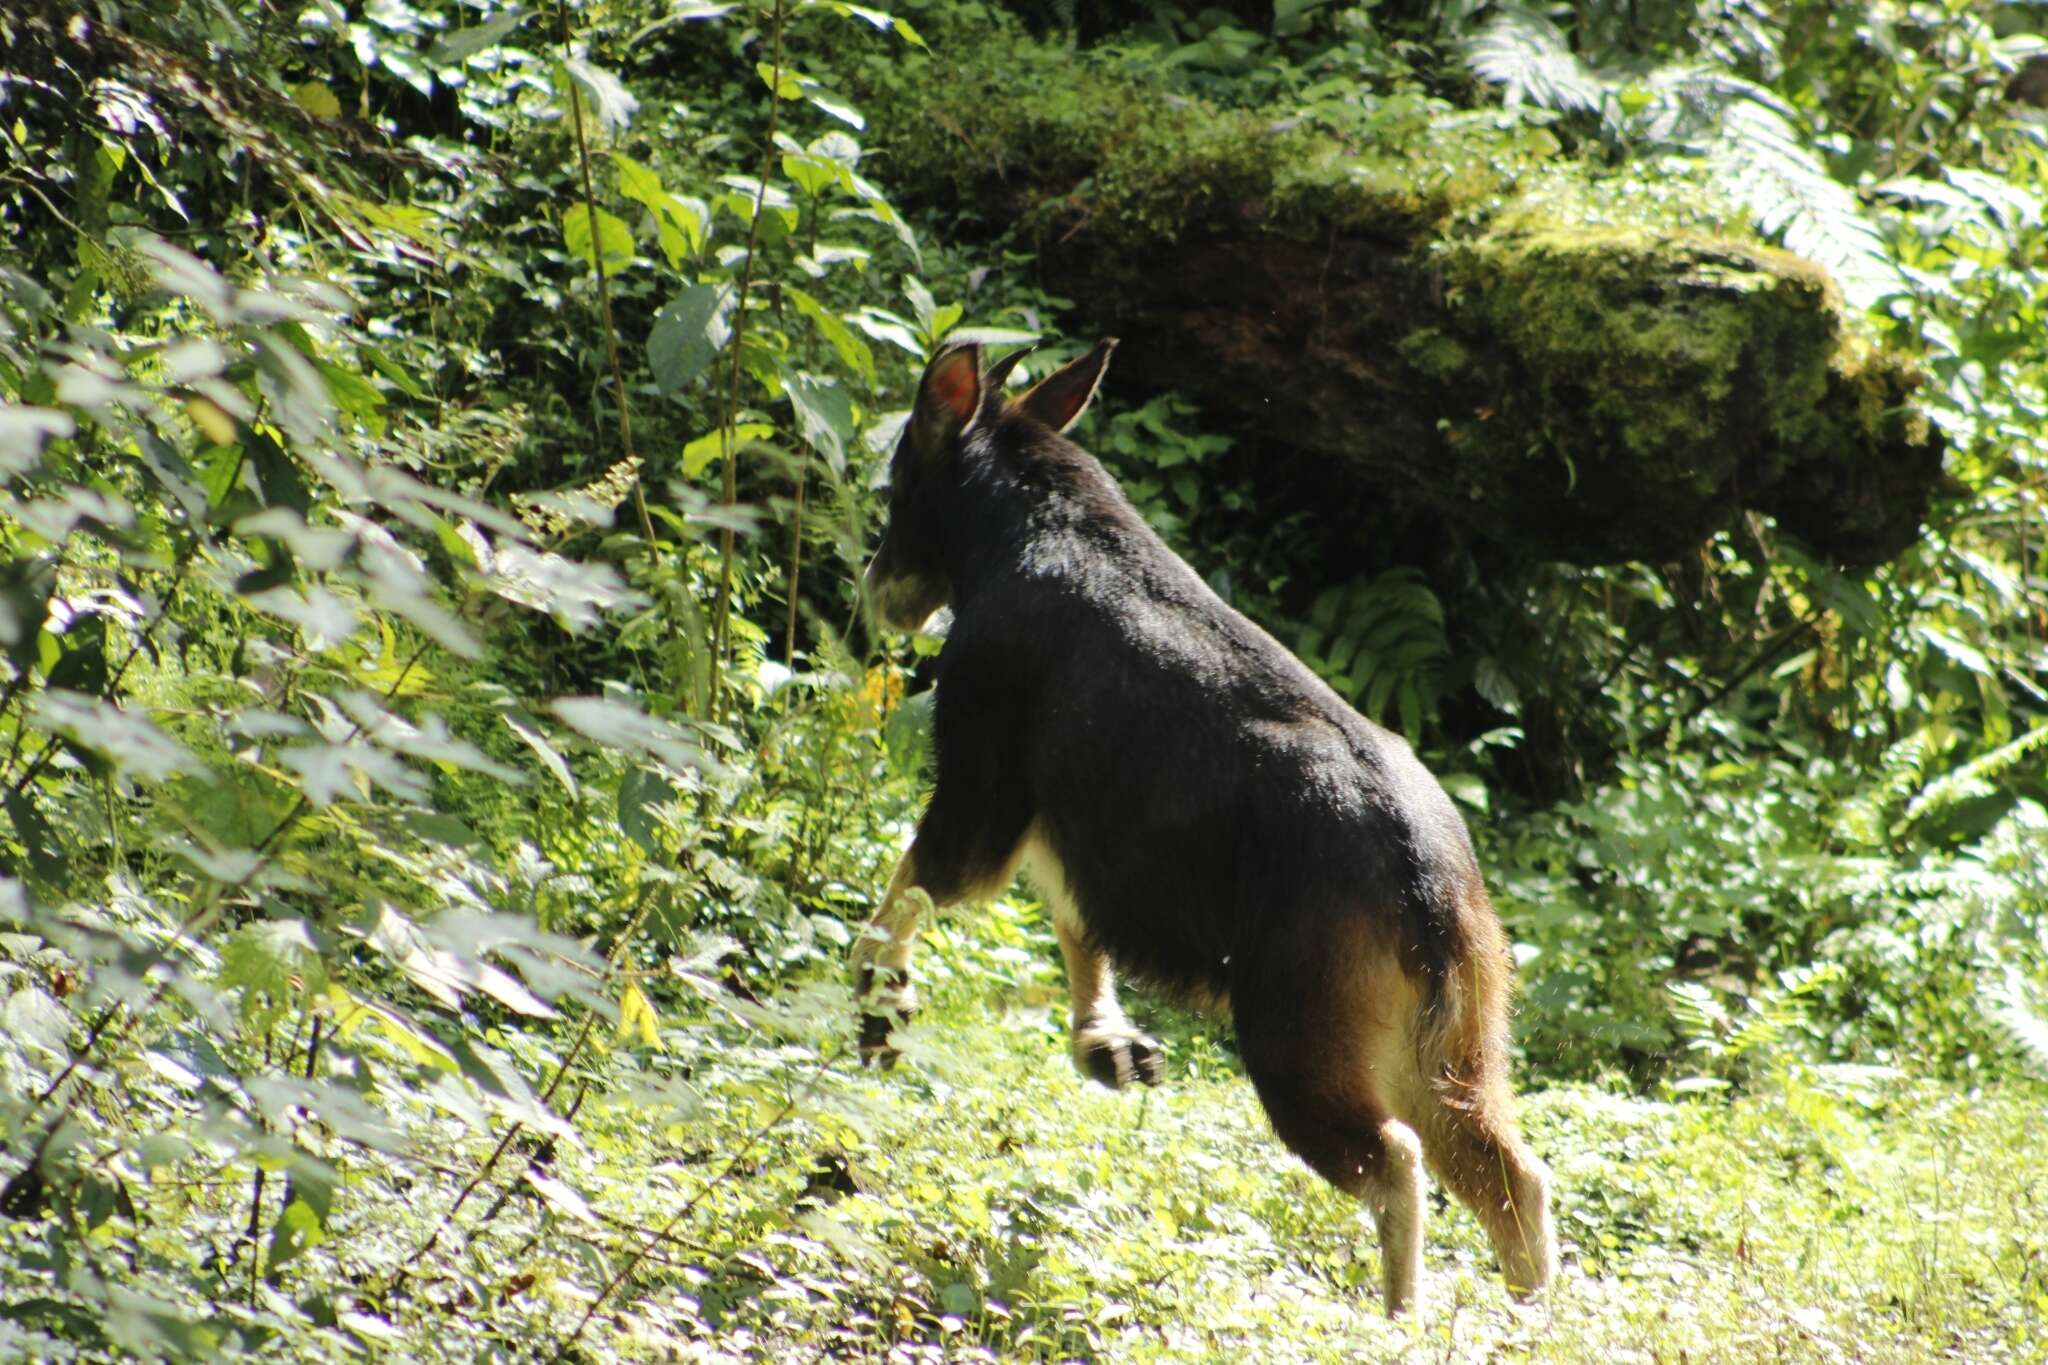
pixel 1031 517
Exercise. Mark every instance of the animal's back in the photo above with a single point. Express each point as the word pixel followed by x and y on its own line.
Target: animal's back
pixel 1187 769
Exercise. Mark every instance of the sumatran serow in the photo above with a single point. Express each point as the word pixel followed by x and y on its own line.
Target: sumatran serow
pixel 1198 809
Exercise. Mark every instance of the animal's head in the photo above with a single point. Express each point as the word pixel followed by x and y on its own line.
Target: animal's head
pixel 960 411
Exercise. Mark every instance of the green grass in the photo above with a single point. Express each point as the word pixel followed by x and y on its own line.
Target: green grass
pixel 995 1206
pixel 982 1202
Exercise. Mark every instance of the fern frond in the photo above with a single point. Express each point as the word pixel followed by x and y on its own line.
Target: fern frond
pixel 1527 55
pixel 1977 777
pixel 2016 1009
pixel 1760 160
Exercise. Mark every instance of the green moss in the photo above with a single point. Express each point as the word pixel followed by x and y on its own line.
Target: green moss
pixel 1591 365
pixel 1434 353
pixel 1649 337
pixel 1064 141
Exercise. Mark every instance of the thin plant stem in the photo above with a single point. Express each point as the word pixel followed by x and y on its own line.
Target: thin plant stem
pixel 728 420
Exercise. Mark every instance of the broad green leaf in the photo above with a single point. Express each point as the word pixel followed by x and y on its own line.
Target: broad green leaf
pixel 637 182
pixel 922 304
pixel 640 790
pixel 997 336
pixel 833 328
pixel 429 740
pixel 836 107
pixel 453 49
pixel 810 176
pixel 559 1196
pixel 297 1230
pixel 620 725
pixel 32 1015
pixel 680 225
pixel 25 587
pixel 332 772
pixel 609 100
pixel 612 232
pixel 688 333
pixel 824 415
pixel 352 393
pixel 24 432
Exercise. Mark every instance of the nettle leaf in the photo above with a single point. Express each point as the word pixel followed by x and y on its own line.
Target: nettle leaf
pixel 25 588
pixel 25 431
pixel 448 975
pixel 835 106
pixel 324 618
pixel 824 415
pixel 453 49
pixel 32 1015
pixel 613 104
pixel 269 962
pixel 576 595
pixel 688 334
pixel 331 772
pixel 549 756
pixel 127 741
pixel 637 182
pixel 615 238
pixel 618 725
pixel 429 740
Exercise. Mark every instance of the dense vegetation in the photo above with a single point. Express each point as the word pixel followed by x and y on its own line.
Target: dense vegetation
pixel 444 766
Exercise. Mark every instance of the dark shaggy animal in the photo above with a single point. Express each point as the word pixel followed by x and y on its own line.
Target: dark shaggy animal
pixel 1199 810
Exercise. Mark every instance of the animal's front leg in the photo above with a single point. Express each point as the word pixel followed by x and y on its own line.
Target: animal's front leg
pixel 881 961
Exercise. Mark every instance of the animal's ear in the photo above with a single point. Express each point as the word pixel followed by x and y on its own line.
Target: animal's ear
pixel 948 398
pixel 1059 399
pixel 999 374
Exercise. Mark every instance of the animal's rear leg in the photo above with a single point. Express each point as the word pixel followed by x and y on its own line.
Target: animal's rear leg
pixel 1106 1046
pixel 1315 1085
pixel 1473 1146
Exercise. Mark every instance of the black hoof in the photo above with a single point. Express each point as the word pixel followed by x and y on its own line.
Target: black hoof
pixel 1121 1062
pixel 874 1039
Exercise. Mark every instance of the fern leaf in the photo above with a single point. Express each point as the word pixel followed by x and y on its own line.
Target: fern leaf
pixel 1977 777
pixel 1760 159
pixel 2018 1012
pixel 1526 54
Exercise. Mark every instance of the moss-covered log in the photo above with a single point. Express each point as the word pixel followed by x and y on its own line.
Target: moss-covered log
pixel 1407 292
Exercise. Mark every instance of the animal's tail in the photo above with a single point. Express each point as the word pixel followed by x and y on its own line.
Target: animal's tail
pixel 1461 1043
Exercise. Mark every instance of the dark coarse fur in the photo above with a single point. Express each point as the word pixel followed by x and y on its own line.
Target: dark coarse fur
pixel 1226 825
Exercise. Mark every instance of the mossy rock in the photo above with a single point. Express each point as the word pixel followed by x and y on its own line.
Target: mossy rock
pixel 1416 296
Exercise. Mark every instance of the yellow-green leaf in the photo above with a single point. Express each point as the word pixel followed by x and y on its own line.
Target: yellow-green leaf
pixel 705 449
pixel 784 83
pixel 637 1016
pixel 316 99
pixel 612 232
